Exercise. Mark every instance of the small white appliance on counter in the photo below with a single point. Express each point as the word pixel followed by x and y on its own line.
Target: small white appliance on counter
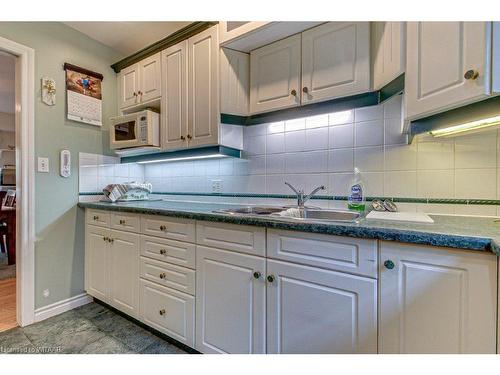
pixel 139 129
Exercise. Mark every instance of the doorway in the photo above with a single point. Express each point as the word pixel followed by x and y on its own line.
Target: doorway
pixel 19 197
pixel 8 313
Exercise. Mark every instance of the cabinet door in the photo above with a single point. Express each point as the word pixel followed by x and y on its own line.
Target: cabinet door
pixel 96 262
pixel 275 75
pixel 389 52
pixel 437 300
pixel 230 302
pixel 335 61
pixel 128 86
pixel 150 78
pixel 316 311
pixel 203 88
pixel 438 55
pixel 124 271
pixel 174 100
pixel 234 79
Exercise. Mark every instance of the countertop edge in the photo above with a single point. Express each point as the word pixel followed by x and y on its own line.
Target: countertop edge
pixel 338 229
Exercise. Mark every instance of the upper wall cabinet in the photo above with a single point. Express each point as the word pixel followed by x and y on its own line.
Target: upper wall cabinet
pixel 448 65
pixel 140 83
pixel 329 61
pixel 388 51
pixel 234 79
pixel 231 30
pixel 335 61
pixel 190 104
pixel 275 75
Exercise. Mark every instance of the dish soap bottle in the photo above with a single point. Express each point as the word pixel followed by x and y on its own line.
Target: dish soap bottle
pixel 356 199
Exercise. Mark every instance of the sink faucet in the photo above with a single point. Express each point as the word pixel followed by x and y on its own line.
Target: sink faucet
pixel 301 197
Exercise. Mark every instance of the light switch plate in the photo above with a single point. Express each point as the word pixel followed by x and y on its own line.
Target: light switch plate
pixel 216 186
pixel 43 165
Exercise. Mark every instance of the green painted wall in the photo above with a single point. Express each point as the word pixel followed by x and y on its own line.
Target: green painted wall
pixel 59 248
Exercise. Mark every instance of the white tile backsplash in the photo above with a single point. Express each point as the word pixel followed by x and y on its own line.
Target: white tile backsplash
pixel 324 149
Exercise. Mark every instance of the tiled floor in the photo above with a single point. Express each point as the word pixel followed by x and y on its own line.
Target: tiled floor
pixel 91 329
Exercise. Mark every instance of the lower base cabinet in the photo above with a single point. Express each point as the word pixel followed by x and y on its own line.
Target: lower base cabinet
pixel 316 311
pixel 436 300
pixel 168 310
pixel 230 302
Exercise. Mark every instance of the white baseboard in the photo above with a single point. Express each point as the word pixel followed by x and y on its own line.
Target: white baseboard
pixel 62 306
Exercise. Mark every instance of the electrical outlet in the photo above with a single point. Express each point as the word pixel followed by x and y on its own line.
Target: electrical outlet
pixel 46 293
pixel 216 186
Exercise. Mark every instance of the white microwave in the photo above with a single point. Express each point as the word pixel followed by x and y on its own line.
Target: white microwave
pixel 137 129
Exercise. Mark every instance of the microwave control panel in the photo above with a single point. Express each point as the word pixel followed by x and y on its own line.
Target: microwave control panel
pixel 143 126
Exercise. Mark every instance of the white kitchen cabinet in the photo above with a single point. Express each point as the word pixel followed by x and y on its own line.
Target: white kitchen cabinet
pixel 335 61
pixel 123 268
pixel 436 300
pixel 448 65
pixel 174 99
pixel 140 83
pixel 96 262
pixel 275 75
pixel 168 310
pixel 112 267
pixel 234 82
pixel 203 88
pixel 231 30
pixel 230 302
pixel 312 310
pixel 388 51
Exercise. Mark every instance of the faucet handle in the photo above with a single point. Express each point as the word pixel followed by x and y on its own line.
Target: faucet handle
pixel 296 191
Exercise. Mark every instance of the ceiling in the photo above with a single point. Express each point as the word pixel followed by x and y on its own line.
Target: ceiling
pixel 127 37
pixel 7 82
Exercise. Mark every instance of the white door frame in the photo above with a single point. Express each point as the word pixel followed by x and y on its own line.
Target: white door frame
pixel 25 178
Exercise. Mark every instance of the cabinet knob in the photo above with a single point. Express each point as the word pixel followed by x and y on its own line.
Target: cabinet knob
pixel 257 275
pixel 139 92
pixel 96 217
pixel 389 264
pixel 163 228
pixel 122 222
pixel 189 136
pixel 105 238
pixel 135 94
pixel 182 138
pixel 162 312
pixel 270 278
pixel 305 90
pixel 163 251
pixel 163 275
pixel 471 74
pixel 293 92
pixel 111 240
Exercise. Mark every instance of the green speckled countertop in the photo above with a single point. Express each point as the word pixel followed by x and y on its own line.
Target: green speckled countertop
pixel 471 233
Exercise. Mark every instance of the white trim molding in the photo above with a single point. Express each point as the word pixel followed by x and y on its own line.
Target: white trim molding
pixel 25 178
pixel 62 306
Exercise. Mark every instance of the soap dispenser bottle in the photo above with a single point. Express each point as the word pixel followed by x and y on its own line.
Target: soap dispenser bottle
pixel 356 197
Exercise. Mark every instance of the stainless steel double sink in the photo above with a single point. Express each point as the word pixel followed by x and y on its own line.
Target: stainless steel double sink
pixel 304 214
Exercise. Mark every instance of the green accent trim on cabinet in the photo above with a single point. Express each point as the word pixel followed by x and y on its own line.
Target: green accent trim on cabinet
pixel 395 87
pixel 186 153
pixel 475 111
pixel 334 105
pixel 174 38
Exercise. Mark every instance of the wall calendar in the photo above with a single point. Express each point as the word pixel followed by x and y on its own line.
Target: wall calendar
pixel 84 95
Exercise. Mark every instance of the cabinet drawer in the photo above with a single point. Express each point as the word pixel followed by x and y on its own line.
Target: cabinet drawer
pixel 241 238
pixel 175 252
pixel 353 255
pixel 168 311
pixel 127 222
pixel 175 277
pixel 97 217
pixel 173 228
